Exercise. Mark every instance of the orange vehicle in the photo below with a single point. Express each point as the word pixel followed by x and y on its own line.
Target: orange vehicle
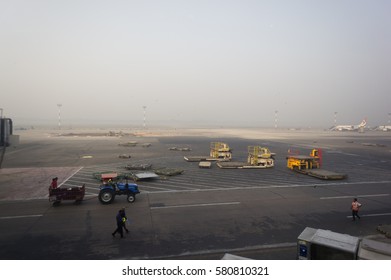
pixel 311 165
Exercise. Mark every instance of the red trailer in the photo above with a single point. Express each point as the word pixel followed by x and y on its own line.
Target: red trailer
pixel 56 195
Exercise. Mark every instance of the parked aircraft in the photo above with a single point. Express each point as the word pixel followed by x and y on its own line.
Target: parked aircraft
pixel 383 127
pixel 350 127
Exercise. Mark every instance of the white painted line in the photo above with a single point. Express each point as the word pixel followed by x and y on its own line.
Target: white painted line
pixel 87 188
pixel 92 188
pixel 223 251
pixel 20 217
pixel 195 205
pixel 77 182
pixel 375 215
pixel 372 215
pixel 70 176
pixel 272 187
pixel 90 194
pixel 67 185
pixel 350 196
pixel 141 187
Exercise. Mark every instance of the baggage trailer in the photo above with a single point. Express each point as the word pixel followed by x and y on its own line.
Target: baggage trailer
pixel 267 163
pixel 324 174
pixel 205 164
pixel 196 158
pixel 56 195
pixel 311 165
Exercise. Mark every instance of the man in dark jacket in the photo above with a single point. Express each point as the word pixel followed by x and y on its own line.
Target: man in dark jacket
pixel 119 221
pixel 124 219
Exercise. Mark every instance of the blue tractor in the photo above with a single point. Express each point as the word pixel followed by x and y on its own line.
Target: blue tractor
pixel 108 191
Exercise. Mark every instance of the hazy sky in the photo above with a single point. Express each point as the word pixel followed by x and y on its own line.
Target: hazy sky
pixel 212 62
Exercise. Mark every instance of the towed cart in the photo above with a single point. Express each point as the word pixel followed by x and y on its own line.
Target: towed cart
pixel 56 195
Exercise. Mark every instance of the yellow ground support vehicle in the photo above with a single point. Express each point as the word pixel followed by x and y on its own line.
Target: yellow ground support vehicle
pixel 300 162
pixel 260 156
pixel 311 165
pixel 220 150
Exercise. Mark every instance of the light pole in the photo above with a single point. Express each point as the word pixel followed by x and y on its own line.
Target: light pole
pixel 275 118
pixel 144 121
pixel 59 116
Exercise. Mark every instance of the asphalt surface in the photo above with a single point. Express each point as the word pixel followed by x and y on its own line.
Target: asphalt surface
pixel 200 214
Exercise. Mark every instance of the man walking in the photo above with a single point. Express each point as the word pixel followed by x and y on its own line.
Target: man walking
pixel 119 221
pixel 355 207
pixel 124 219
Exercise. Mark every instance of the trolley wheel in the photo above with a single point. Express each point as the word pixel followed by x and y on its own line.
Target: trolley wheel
pixel 56 203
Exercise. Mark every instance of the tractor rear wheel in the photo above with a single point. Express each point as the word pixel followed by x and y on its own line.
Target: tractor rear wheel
pixel 106 196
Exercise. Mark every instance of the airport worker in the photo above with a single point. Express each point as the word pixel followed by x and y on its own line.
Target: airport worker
pixel 119 221
pixel 53 184
pixel 355 207
pixel 124 219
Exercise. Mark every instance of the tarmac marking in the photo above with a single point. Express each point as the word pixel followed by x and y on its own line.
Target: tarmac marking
pixel 286 245
pixel 20 217
pixel 173 185
pixel 349 196
pixel 276 187
pixel 70 182
pixel 92 188
pixel 372 215
pixel 90 194
pixel 195 205
pixel 141 187
pixel 70 185
pixel 73 174
pixel 353 183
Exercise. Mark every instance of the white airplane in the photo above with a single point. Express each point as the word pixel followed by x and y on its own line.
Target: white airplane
pixel 350 127
pixel 383 128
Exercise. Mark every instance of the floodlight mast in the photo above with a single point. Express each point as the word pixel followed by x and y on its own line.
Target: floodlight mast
pixel 59 116
pixel 144 120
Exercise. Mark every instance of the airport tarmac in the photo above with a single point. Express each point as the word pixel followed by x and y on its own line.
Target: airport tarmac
pixel 200 214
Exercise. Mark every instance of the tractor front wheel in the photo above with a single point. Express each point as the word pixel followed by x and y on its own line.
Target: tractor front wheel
pixel 131 198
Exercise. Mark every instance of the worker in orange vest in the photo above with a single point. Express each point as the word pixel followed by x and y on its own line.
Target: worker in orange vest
pixel 355 207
